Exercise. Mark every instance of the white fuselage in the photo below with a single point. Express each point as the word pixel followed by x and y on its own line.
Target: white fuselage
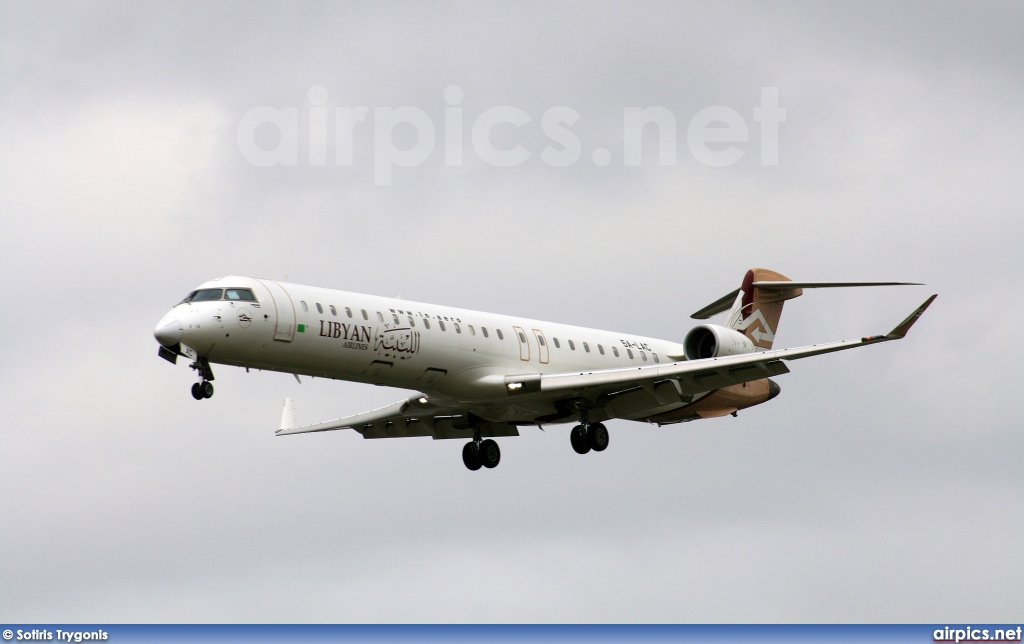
pixel 482 375
pixel 457 354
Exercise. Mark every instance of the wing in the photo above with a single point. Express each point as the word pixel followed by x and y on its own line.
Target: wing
pixel 417 416
pixel 693 376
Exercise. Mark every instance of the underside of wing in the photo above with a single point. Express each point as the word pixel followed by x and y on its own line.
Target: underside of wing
pixel 417 416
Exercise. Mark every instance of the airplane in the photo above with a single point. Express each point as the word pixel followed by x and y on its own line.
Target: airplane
pixel 481 376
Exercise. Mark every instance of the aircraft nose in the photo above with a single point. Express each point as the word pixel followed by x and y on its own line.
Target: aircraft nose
pixel 168 331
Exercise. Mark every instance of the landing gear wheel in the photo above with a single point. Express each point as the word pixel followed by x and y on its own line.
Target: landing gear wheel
pixel 490 455
pixel 207 389
pixel 471 456
pixel 597 437
pixel 578 438
pixel 197 391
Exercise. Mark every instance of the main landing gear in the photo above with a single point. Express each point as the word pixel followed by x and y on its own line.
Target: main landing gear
pixel 203 388
pixel 588 437
pixel 481 453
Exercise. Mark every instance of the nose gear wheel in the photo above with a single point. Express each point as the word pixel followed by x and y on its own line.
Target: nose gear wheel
pixel 201 390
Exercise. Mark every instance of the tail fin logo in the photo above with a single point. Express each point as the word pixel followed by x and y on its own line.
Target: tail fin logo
pixel 755 312
pixel 763 336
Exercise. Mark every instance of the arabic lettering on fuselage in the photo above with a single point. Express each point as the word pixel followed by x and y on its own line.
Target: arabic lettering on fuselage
pixel 403 340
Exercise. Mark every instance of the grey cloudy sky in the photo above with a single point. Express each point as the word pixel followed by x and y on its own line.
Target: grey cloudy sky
pixel 883 485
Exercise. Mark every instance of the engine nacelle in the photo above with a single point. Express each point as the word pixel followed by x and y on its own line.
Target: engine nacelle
pixel 713 341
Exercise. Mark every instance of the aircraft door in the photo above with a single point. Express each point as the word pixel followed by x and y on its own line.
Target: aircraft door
pixel 284 311
pixel 543 352
pixel 524 343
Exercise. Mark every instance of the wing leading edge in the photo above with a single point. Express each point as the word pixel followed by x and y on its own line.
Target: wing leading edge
pixel 695 376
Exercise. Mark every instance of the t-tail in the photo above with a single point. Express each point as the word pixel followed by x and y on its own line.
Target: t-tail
pixel 756 306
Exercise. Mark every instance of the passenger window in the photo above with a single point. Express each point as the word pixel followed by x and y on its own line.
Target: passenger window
pixel 412 322
pixel 243 294
pixel 319 309
pixel 380 317
pixel 644 356
pixel 348 311
pixel 571 345
pixel 586 347
pixel 655 357
pixel 304 307
pixel 365 316
pixel 557 346
pixel 458 329
pixel 394 316
pixel 426 323
pixel 522 337
pixel 500 336
pixel 615 350
pixel 540 340
pixel 484 330
pixel 472 331
pixel 629 352
pixel 600 349
pixel 440 324
pixel 334 311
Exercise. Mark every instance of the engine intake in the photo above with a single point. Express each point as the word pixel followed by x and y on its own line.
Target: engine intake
pixel 713 341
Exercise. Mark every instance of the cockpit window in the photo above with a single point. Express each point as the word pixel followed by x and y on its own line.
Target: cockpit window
pixel 211 294
pixel 205 295
pixel 239 294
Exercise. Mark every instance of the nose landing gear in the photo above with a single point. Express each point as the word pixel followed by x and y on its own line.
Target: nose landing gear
pixel 203 388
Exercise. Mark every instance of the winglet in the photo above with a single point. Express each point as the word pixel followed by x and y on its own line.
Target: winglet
pixel 288 415
pixel 901 329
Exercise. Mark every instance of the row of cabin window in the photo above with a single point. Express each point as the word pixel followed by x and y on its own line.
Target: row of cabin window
pixel 586 347
pixel 472 331
pixel 412 320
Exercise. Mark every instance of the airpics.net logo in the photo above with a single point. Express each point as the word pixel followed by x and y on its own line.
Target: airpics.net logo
pixel 971 634
pixel 716 136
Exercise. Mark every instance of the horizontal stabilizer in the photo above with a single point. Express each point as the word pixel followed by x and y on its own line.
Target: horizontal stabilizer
pixel 725 302
pixel 718 306
pixel 789 285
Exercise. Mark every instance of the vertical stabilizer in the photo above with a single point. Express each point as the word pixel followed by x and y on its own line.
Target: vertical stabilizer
pixel 756 311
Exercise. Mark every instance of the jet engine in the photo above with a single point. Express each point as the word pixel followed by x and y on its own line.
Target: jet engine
pixel 713 341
